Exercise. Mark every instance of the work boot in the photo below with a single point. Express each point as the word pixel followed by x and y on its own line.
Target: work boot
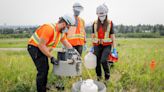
pixel 99 78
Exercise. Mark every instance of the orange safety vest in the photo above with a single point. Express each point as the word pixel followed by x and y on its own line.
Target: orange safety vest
pixel 76 35
pixel 53 40
pixel 102 37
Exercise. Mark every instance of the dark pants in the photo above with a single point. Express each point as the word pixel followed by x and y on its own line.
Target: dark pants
pixel 79 48
pixel 41 63
pixel 102 53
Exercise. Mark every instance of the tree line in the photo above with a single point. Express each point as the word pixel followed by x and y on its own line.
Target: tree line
pixel 17 32
pixel 137 31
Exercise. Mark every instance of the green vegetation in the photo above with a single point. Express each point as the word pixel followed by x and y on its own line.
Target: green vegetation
pixel 131 73
pixel 138 35
pixel 13 43
pixel 125 31
pixel 137 31
pixel 23 35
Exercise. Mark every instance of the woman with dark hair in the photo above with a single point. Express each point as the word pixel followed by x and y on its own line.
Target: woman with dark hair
pixel 103 39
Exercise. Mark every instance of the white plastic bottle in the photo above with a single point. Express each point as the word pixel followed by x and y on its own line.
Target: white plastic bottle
pixel 90 60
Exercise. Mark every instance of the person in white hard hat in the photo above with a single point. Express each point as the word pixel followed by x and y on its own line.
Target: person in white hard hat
pixel 103 40
pixel 41 43
pixel 77 36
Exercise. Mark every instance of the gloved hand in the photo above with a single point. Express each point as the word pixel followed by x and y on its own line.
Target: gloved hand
pixel 74 54
pixel 92 49
pixel 114 52
pixel 73 51
pixel 54 61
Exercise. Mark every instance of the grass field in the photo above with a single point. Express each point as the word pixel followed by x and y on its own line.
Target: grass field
pixel 13 43
pixel 131 73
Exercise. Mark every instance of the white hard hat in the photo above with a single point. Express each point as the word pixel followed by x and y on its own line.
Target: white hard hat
pixel 69 19
pixel 102 10
pixel 105 6
pixel 77 6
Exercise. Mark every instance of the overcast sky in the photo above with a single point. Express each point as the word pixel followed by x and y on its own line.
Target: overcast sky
pixel 36 12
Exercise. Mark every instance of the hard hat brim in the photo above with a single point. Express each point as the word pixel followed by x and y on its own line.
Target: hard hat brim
pixel 78 9
pixel 98 14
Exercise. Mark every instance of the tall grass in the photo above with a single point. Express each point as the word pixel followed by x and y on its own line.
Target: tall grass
pixel 131 73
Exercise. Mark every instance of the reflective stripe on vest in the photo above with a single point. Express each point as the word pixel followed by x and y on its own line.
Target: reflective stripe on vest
pixel 36 38
pixel 76 36
pixel 79 35
pixel 106 38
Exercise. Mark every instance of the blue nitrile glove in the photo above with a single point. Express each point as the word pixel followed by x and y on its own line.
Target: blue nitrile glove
pixel 85 47
pixel 114 52
pixel 92 49
pixel 54 61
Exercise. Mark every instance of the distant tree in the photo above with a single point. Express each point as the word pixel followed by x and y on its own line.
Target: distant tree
pixel 8 31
